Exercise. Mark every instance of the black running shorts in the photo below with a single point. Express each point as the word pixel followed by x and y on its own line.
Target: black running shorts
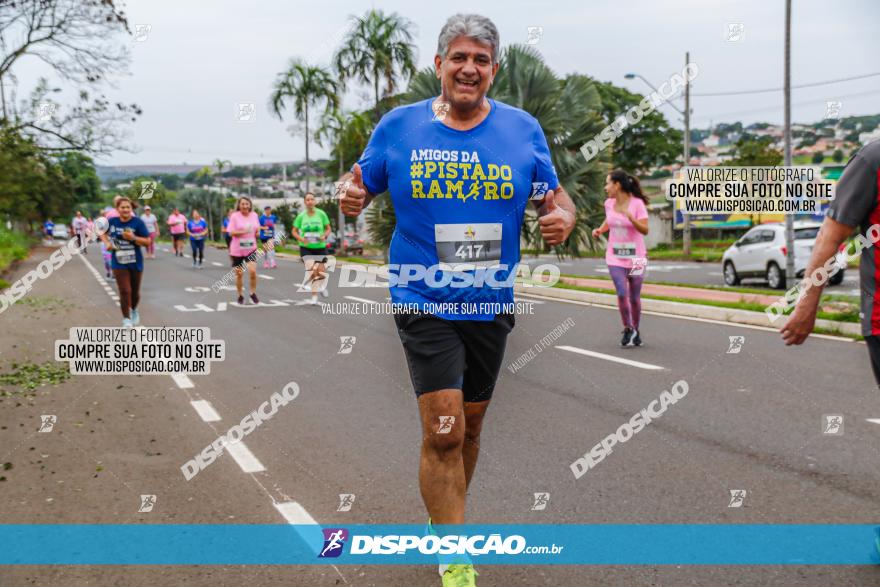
pixel 454 354
pixel 240 261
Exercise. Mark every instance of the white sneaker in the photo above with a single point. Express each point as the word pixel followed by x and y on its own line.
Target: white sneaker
pixel 314 300
pixel 126 323
pixel 325 293
pixel 135 318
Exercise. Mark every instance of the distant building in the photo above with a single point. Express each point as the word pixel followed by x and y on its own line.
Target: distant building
pixel 867 137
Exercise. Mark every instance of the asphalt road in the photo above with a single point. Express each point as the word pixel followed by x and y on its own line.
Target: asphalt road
pixel 688 272
pixel 751 420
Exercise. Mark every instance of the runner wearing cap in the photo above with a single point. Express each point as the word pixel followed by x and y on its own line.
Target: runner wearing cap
pixel 460 183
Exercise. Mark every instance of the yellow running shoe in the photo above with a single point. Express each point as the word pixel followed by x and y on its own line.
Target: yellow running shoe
pixel 457 575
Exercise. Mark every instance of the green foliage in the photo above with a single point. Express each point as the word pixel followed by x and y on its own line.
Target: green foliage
pixel 650 143
pixel 14 246
pixel 755 153
pixel 33 185
pixel 29 376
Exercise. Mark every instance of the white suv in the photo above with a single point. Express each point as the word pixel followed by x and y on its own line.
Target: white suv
pixel 760 253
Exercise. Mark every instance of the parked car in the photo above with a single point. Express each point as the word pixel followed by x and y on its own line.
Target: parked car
pixel 760 253
pixel 60 231
pixel 331 244
pixel 352 244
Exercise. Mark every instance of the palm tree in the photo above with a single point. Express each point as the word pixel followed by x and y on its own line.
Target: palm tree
pixel 348 133
pixel 568 112
pixel 303 86
pixel 377 48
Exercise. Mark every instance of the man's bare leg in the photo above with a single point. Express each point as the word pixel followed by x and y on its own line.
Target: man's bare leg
pixel 442 477
pixel 473 424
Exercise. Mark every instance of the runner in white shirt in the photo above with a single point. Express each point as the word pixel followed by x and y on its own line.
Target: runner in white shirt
pixel 152 224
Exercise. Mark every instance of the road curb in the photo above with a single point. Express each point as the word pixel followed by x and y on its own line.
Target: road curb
pixel 682 309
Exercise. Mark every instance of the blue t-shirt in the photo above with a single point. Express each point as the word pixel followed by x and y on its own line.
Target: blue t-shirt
pixel 126 254
pixel 459 197
pixel 268 226
pixel 49 226
pixel 197 230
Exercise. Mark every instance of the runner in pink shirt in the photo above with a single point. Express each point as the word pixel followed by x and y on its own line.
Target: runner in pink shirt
pixel 626 222
pixel 177 227
pixel 244 228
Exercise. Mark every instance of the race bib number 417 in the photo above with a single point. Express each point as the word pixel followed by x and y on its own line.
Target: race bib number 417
pixel 474 244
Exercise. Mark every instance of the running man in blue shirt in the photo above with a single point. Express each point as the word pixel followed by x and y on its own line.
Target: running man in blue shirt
pixel 460 169
pixel 267 237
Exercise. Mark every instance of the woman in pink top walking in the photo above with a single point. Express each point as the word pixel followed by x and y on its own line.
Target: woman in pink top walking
pixel 177 227
pixel 626 222
pixel 244 226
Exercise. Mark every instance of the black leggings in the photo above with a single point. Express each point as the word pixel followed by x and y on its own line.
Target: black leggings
pixel 128 281
pixel 198 248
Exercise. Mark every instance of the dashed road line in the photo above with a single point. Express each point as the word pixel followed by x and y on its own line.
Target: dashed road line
pixel 182 381
pixel 205 410
pixel 244 457
pixel 612 358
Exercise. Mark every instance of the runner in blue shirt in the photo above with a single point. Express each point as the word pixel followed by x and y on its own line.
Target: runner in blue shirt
pixel 225 229
pixel 197 229
pixel 126 234
pixel 48 227
pixel 460 170
pixel 267 237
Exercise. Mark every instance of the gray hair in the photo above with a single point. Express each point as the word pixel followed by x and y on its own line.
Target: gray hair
pixel 472 26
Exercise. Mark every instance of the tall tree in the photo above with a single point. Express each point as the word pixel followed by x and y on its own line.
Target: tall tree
pixel 650 143
pixel 378 49
pixel 77 39
pixel 303 86
pixel 755 153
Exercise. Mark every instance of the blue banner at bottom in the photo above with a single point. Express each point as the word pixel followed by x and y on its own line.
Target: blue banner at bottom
pixel 492 544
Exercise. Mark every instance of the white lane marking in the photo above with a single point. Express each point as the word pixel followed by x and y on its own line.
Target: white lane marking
pixel 365 300
pixel 294 513
pixel 874 420
pixel 182 381
pixel 612 358
pixel 692 318
pixel 261 276
pixel 221 306
pixel 205 410
pixel 306 526
pixel 244 457
pixel 216 264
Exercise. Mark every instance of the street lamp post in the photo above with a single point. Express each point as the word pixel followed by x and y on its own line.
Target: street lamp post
pixel 686 146
pixel 789 218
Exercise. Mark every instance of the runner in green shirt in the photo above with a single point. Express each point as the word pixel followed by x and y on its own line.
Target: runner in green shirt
pixel 311 229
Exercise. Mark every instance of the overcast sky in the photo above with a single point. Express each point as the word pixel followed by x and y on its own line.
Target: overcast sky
pixel 202 58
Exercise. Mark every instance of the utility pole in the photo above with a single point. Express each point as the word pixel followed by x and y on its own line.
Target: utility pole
pixel 687 152
pixel 789 218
